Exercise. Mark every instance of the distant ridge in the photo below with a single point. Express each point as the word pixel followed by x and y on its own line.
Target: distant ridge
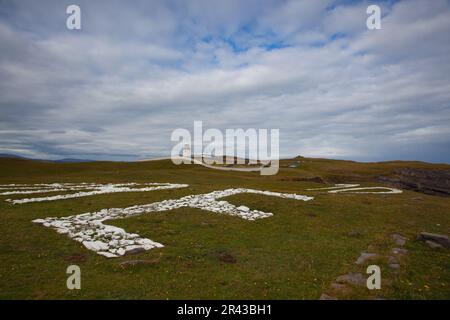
pixel 6 155
pixel 64 160
pixel 72 160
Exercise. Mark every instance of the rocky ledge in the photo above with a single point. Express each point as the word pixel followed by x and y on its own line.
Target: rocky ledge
pixel 429 181
pixel 434 240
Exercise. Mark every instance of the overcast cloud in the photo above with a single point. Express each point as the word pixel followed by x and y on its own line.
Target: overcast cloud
pixel 137 70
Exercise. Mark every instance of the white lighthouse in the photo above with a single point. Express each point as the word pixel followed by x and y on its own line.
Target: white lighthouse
pixel 186 151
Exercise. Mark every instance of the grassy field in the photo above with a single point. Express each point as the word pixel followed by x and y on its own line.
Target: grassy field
pixel 296 254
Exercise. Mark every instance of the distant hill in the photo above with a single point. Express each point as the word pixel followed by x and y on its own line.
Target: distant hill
pixel 64 160
pixel 72 160
pixel 7 155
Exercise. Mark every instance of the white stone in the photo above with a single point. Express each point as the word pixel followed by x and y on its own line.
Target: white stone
pixel 113 243
pixel 353 188
pixel 95 245
pixel 95 189
pixel 89 227
pixel 107 254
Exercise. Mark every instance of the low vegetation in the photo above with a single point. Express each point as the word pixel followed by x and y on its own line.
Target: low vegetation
pixel 296 254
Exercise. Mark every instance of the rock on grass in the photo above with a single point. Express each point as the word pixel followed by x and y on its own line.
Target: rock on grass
pixel 435 238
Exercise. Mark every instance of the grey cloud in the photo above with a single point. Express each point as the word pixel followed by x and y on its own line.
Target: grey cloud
pixel 138 70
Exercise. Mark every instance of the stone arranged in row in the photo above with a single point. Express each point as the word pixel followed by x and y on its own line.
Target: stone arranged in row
pixel 95 189
pixel 56 187
pixel 110 241
pixel 353 188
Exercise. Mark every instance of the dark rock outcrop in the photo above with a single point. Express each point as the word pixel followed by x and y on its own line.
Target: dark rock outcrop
pixel 429 181
pixel 432 238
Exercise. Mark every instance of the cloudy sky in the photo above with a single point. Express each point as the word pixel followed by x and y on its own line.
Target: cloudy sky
pixel 137 70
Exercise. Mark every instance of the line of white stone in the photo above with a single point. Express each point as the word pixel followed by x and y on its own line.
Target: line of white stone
pixel 95 190
pixel 336 186
pixel 110 241
pixel 84 185
pixel 7 193
pixel 37 185
pixel 352 188
pixel 356 190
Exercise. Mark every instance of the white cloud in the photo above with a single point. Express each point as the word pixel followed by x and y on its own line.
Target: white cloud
pixel 367 95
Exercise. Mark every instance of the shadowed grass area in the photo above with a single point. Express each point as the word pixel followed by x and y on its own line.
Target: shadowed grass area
pixel 295 254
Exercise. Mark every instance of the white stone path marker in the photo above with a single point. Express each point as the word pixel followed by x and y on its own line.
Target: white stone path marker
pixel 82 189
pixel 353 188
pixel 110 241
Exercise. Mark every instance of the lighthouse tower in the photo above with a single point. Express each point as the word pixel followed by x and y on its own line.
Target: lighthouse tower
pixel 186 151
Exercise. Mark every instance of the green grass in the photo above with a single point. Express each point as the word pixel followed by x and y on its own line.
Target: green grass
pixel 295 254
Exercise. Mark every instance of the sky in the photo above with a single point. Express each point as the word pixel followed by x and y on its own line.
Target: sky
pixel 137 70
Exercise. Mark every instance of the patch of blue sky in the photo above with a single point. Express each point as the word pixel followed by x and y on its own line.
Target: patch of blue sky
pixel 317 44
pixel 275 46
pixel 338 35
